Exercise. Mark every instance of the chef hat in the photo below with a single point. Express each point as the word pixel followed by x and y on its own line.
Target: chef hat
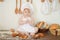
pixel 29 6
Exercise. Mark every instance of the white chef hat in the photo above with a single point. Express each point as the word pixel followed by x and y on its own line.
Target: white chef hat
pixel 29 6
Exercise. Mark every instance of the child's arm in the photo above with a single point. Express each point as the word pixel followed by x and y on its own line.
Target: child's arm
pixel 31 21
pixel 21 22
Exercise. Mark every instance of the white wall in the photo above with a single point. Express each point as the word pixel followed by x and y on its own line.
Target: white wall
pixel 8 18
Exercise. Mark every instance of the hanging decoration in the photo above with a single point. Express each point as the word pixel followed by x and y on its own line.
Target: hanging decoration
pixel 29 1
pixel 19 10
pixel 59 1
pixel 45 6
pixel 1 0
pixel 42 1
pixel 50 1
pixel 16 10
pixel 20 7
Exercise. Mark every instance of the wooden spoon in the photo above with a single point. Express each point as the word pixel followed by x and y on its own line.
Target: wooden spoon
pixel 50 1
pixel 20 7
pixel 42 1
pixel 27 0
pixel 31 1
pixel 59 1
pixel 1 0
pixel 16 10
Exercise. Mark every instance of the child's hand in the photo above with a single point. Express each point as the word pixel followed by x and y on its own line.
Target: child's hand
pixel 22 22
pixel 30 22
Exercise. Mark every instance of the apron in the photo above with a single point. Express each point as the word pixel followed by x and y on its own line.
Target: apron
pixel 27 28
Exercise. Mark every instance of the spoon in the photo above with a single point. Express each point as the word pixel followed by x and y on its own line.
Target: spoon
pixel 27 0
pixel 59 1
pixel 16 10
pixel 31 1
pixel 20 7
pixel 50 1
pixel 42 1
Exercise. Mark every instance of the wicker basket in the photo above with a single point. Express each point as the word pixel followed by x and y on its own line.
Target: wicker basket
pixel 55 31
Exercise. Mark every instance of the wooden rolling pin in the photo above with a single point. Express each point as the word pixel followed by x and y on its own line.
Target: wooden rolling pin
pixel 20 11
pixel 16 10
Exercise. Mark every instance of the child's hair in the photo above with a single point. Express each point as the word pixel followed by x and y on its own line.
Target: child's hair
pixel 27 9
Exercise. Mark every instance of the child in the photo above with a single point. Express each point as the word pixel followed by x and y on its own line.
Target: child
pixel 26 21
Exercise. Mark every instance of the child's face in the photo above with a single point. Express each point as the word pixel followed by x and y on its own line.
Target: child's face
pixel 26 12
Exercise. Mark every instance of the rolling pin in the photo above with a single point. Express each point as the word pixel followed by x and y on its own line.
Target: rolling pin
pixel 16 10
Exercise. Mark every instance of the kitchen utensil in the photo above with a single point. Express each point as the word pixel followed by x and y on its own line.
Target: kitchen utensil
pixel 16 10
pixel 27 0
pixel 50 1
pixel 59 1
pixel 31 1
pixel 42 1
pixel 20 7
